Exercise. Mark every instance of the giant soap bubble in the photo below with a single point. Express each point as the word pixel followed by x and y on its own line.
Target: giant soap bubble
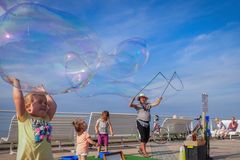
pixel 34 42
pixel 127 58
pixel 117 74
pixel 78 73
pixel 116 67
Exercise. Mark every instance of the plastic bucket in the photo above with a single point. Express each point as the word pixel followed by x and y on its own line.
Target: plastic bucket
pixel 102 153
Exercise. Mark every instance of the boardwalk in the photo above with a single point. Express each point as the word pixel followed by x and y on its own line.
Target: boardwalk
pixel 220 150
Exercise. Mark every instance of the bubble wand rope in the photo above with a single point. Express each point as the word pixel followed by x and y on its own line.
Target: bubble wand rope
pixel 148 84
pixel 168 84
pixel 171 84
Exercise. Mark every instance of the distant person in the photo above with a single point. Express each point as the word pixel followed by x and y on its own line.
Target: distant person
pixel 174 116
pixel 143 118
pixel 220 128
pixel 156 125
pixel 102 128
pixel 83 139
pixel 34 111
pixel 232 127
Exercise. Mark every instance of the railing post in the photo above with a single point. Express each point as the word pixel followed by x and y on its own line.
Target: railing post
pixel 122 144
pixel 60 145
pixel 11 148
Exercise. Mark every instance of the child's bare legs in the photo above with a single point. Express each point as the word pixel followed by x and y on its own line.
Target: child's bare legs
pixel 83 157
pixel 105 148
pixel 99 148
pixel 99 144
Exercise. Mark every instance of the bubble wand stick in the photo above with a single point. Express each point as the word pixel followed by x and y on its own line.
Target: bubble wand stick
pixel 148 84
pixel 168 84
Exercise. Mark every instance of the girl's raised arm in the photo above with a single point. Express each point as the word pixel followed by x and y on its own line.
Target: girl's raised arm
pixel 18 98
pixel 50 101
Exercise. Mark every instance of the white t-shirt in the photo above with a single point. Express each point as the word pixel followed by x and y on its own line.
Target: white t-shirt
pixel 102 126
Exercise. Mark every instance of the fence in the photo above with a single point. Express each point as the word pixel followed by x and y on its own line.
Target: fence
pixel 6 115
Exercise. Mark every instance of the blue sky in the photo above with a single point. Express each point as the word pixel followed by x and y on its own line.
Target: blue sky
pixel 198 39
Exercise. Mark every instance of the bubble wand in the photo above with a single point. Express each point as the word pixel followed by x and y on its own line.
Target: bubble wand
pixel 171 84
pixel 168 84
pixel 148 83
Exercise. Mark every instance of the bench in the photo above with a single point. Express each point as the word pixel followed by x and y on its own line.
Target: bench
pixel 12 136
pixel 124 125
pixel 177 126
pixel 236 133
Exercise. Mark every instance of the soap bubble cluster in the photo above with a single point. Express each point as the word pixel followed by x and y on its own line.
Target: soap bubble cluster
pixel 40 45
pixel 34 43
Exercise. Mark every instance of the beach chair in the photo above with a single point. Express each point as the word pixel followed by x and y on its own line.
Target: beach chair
pixel 234 133
pixel 177 126
pixel 12 136
pixel 124 125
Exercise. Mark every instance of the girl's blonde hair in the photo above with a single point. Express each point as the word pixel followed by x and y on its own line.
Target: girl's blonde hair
pixel 80 125
pixel 28 98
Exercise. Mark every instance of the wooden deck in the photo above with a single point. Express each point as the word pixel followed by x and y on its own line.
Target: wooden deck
pixel 220 150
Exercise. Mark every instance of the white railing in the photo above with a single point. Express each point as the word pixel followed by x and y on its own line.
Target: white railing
pixel 6 115
pixel 5 118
